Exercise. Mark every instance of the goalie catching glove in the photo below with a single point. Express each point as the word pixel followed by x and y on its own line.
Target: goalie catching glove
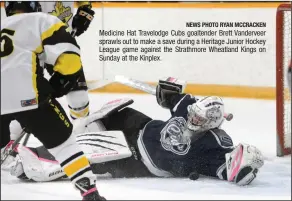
pixel 165 90
pixel 243 164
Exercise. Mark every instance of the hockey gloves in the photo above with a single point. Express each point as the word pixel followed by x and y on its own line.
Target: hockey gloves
pixel 243 163
pixel 62 84
pixel 82 19
pixel 165 90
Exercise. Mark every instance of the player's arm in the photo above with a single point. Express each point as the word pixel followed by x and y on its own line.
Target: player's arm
pixel 83 17
pixel 61 51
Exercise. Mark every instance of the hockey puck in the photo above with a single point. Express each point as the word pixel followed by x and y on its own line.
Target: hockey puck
pixel 229 117
pixel 194 176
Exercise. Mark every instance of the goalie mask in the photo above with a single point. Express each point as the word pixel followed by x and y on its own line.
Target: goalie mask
pixel 11 7
pixel 207 113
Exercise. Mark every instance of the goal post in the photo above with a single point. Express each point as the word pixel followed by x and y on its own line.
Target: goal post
pixel 283 94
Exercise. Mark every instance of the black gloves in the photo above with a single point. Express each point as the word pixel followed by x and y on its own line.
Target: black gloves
pixel 62 84
pixel 82 19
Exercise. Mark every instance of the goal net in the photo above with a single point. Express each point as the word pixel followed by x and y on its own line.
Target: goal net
pixel 283 96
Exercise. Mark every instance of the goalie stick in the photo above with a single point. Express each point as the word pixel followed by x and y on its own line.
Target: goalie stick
pixel 134 84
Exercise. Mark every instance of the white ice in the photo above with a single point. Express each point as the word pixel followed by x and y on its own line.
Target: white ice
pixel 254 123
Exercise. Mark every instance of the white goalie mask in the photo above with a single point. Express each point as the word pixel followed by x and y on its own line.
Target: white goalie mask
pixel 207 113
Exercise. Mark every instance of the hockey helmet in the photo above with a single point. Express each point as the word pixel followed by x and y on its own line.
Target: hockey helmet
pixel 207 113
pixel 25 6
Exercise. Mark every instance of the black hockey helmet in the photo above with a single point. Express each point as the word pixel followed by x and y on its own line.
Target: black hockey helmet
pixel 25 6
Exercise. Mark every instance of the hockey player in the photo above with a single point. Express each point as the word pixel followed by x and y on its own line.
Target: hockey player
pixel 190 142
pixel 77 98
pixel 30 98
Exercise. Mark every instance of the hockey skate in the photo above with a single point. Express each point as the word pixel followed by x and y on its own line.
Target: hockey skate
pixel 243 164
pixel 88 191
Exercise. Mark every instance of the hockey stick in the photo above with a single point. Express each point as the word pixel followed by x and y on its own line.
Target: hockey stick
pixel 26 139
pixel 92 85
pixel 97 83
pixel 149 89
pixel 122 80
pixel 73 32
pixel 13 146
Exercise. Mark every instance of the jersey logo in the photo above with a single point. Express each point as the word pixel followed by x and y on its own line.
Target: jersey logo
pixel 30 102
pixel 62 12
pixel 172 138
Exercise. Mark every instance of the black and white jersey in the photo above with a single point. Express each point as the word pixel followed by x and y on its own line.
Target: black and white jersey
pixel 23 38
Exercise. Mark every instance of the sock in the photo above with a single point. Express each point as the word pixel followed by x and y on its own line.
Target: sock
pixel 78 103
pixel 75 165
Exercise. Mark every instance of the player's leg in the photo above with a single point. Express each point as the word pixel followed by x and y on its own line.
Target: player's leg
pixel 6 143
pixel 5 132
pixel 128 120
pixel 131 122
pixel 122 168
pixel 52 127
pixel 77 98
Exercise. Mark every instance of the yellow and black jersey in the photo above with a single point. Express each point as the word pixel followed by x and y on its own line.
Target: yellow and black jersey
pixel 23 38
pixel 64 10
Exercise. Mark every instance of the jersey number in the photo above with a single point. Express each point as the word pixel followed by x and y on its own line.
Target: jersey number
pixel 6 42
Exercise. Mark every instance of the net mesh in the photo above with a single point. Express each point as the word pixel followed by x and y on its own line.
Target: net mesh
pixel 286 61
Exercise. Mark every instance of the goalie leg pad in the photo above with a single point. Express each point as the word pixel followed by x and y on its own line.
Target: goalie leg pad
pixel 243 164
pixel 104 146
pixel 92 122
pixel 34 167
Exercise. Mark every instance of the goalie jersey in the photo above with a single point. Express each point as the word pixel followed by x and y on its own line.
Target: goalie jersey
pixel 23 37
pixel 167 152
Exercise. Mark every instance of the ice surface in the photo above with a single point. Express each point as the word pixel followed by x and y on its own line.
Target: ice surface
pixel 254 123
